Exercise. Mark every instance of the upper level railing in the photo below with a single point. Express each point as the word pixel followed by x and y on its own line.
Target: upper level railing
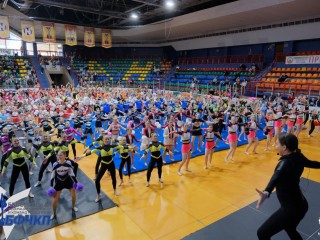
pixel 250 58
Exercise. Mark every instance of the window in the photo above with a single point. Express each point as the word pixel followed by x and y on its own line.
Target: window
pixel 30 50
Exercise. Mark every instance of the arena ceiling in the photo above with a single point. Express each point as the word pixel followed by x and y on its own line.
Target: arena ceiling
pixel 114 14
pixel 157 25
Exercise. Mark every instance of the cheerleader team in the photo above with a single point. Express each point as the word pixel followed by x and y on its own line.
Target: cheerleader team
pixel 113 120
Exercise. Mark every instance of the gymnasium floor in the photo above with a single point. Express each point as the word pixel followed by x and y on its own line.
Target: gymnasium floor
pixel 185 204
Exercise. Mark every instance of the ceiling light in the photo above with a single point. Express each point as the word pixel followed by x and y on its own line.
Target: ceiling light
pixel 170 4
pixel 134 16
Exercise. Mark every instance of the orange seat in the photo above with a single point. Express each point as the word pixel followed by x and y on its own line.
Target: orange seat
pixel 310 81
pixel 303 75
pixel 298 70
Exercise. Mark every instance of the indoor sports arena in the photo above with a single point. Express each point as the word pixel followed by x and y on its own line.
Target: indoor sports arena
pixel 159 119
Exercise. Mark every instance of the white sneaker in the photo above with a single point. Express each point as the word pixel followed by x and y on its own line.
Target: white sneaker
pixel 98 199
pixel 147 184
pixel 116 192
pixel 133 167
pixel 53 216
pixel 121 182
pixel 30 173
pixel 179 173
pixel 247 153
pixel 124 169
pixel 31 195
pixel 48 171
pixel 37 184
pixel 75 209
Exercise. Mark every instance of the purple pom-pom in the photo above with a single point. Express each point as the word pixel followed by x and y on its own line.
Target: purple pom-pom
pixel 79 187
pixel 75 185
pixel 51 192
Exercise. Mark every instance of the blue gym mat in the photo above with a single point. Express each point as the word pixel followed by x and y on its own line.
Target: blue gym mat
pixel 41 204
pixel 139 164
pixel 244 223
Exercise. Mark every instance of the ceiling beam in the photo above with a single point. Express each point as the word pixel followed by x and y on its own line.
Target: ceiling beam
pixel 148 3
pixel 81 9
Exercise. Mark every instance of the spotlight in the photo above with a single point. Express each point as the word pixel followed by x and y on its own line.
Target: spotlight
pixel 134 16
pixel 170 4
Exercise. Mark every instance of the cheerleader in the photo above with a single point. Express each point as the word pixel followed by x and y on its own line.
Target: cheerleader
pixel 252 138
pixel 169 137
pixel 185 148
pixel 124 150
pixel 46 151
pixel 88 128
pixel 17 154
pixel 299 122
pixel 291 120
pixel 70 132
pixel 196 132
pixel 107 163
pixel 60 126
pixel 232 139
pixel 313 121
pixel 277 124
pixel 45 123
pixel 62 178
pixel 5 144
pixel 129 140
pixel 210 145
pixel 114 128
pixel 269 129
pixel 156 158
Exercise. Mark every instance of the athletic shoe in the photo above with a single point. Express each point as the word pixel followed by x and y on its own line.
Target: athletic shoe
pixel 37 184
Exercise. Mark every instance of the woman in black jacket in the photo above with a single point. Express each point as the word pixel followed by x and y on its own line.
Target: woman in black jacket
pixel 286 180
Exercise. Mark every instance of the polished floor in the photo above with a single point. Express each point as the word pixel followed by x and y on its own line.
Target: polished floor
pixel 185 203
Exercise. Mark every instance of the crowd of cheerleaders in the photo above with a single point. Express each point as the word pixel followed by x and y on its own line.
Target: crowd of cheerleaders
pixel 30 117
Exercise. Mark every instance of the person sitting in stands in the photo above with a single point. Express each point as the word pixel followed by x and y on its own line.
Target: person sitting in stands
pixel 283 78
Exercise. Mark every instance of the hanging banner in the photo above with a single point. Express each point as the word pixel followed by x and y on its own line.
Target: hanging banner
pixel 27 30
pixel 89 39
pixel 106 38
pixel 49 34
pixel 4 27
pixel 312 59
pixel 71 35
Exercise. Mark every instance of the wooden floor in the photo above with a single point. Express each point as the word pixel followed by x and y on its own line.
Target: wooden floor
pixel 186 203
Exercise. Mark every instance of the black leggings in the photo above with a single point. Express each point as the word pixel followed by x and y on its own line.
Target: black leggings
pixel 311 127
pixel 43 166
pixel 104 167
pixel 96 170
pixel 306 118
pixel 15 174
pixel 154 161
pixel 4 156
pixel 73 146
pixel 123 162
pixel 283 219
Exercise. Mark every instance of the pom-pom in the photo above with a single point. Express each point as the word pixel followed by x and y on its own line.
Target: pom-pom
pixel 79 187
pixel 144 143
pixel 158 125
pixel 51 192
pixel 109 134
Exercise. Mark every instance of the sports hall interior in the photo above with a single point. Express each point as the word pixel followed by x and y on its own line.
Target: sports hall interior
pixel 165 45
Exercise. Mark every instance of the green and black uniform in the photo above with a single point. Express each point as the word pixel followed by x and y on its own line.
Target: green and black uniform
pixel 99 140
pixel 47 149
pixel 107 163
pixel 125 158
pixel 156 158
pixel 17 155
